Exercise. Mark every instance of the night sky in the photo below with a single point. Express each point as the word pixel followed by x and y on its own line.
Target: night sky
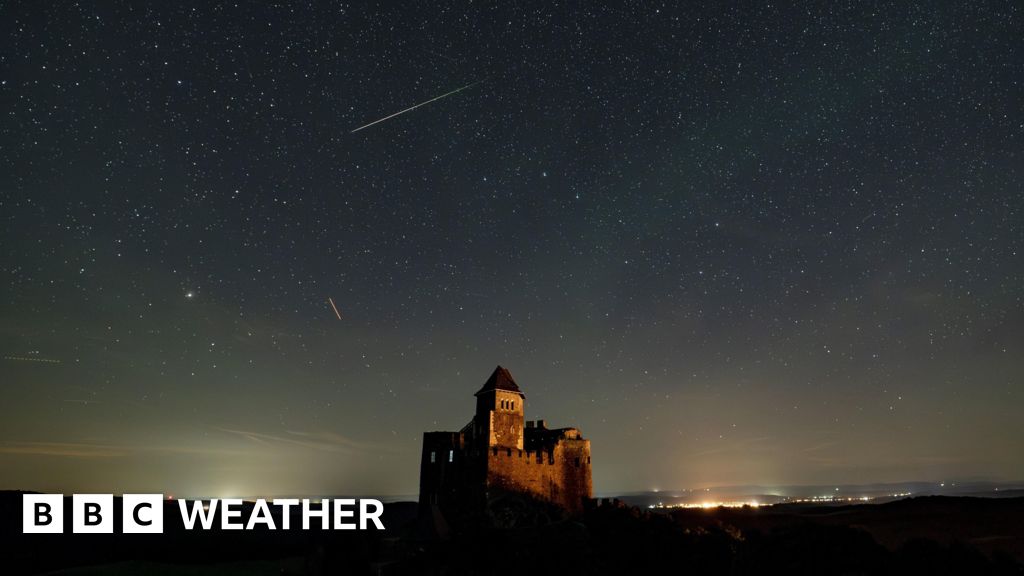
pixel 732 244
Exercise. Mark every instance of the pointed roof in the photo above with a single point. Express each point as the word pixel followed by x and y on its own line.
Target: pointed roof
pixel 501 379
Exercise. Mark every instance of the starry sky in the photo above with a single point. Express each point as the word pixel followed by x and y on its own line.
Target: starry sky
pixel 733 244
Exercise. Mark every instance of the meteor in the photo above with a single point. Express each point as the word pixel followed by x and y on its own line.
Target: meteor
pixel 411 108
pixel 24 359
pixel 335 308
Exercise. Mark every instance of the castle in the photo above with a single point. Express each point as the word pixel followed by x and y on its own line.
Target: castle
pixel 497 453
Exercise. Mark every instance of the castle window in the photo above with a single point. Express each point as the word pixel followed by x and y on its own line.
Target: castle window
pixel 508 452
pixel 433 456
pixel 495 451
pixel 588 459
pixel 451 455
pixel 577 462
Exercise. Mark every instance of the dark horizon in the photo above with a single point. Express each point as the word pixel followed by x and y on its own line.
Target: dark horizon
pixel 878 491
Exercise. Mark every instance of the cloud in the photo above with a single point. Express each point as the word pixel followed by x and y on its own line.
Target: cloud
pixel 323 441
pixel 64 449
pixel 820 446
pixel 90 450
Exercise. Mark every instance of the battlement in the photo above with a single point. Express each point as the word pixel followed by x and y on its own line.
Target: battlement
pixel 540 456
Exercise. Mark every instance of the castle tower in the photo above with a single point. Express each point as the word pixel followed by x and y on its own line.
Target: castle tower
pixel 500 411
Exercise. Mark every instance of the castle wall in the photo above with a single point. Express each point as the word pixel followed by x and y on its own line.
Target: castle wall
pixel 560 474
pixel 447 474
pixel 506 429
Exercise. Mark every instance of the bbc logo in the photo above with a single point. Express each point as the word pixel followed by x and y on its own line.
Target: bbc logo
pixel 92 514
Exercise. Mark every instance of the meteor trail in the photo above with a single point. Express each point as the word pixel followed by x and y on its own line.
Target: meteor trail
pixel 335 308
pixel 456 91
pixel 24 359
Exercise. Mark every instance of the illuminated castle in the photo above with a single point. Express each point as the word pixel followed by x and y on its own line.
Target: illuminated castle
pixel 498 454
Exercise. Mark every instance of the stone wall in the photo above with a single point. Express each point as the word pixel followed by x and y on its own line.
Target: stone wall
pixel 506 429
pixel 559 474
pixel 449 477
